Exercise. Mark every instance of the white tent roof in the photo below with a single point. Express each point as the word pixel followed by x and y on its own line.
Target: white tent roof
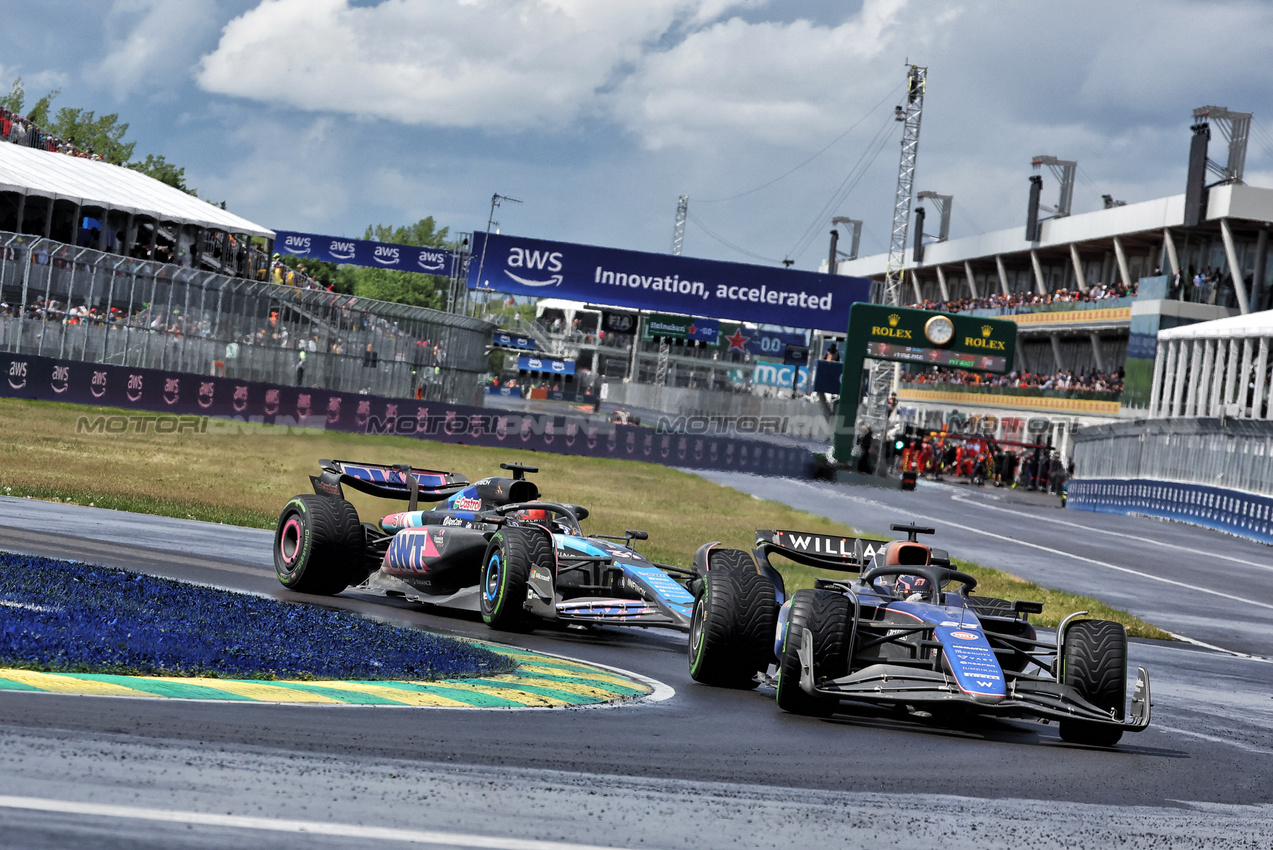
pixel 1241 326
pixel 55 175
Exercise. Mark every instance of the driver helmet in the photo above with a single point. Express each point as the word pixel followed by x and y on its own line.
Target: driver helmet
pixel 533 515
pixel 908 587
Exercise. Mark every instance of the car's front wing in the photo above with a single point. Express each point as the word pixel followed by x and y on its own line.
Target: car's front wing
pixel 890 684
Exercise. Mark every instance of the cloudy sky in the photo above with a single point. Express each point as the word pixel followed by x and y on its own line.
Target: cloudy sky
pixel 772 115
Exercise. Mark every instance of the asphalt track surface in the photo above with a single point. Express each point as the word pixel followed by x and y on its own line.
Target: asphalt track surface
pixel 706 767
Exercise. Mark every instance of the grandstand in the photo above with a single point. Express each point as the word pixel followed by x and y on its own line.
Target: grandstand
pixel 1090 294
pixel 103 264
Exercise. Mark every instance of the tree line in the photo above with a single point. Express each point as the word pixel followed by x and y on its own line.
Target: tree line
pixel 104 135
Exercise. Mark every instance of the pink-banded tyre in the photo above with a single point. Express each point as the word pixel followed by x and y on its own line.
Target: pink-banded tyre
pixel 318 545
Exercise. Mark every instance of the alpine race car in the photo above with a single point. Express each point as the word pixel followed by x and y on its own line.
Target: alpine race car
pixel 896 636
pixel 489 546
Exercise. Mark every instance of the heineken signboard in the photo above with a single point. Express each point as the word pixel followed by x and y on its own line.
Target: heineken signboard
pixel 922 337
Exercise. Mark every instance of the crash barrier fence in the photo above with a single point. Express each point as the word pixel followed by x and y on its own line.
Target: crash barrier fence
pixel 1233 454
pixel 1243 514
pixel 186 402
pixel 68 302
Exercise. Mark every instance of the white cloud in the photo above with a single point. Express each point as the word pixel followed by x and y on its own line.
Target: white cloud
pixel 495 64
pixel 148 42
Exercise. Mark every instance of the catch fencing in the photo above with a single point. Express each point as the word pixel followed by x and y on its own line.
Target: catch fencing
pixel 74 303
pixel 1216 473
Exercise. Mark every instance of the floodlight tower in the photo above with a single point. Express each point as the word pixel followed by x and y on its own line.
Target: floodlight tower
pixel 1063 170
pixel 890 291
pixel 678 229
pixel 1234 126
pixel 944 203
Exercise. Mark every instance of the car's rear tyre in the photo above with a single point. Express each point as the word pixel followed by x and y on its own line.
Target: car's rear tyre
pixel 1094 662
pixel 510 557
pixel 731 630
pixel 825 615
pixel 318 545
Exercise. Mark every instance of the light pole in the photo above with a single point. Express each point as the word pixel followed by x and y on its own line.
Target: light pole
pixel 496 200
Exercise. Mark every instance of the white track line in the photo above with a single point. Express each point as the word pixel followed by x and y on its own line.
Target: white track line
pixel 340 830
pixel 966 500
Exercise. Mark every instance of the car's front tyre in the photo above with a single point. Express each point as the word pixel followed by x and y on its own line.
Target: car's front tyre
pixel 825 615
pixel 510 556
pixel 1094 662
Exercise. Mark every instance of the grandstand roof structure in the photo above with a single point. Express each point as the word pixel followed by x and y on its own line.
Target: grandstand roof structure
pixel 1242 326
pixel 1121 242
pixel 91 183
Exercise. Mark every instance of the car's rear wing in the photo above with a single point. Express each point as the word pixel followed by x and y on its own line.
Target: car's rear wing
pixel 396 481
pixel 822 551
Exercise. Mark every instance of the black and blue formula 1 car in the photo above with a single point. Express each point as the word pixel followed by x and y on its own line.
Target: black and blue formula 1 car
pixel 489 546
pixel 896 636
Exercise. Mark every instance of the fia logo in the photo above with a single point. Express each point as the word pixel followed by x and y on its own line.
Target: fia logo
pixel 386 256
pixel 543 262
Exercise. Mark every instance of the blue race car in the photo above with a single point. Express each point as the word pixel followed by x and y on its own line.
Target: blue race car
pixel 489 546
pixel 896 636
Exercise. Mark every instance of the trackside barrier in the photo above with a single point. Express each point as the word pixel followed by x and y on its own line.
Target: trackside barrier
pixel 254 403
pixel 1243 514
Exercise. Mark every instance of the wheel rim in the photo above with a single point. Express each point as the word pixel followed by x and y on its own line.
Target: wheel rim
pixel 289 540
pixel 696 634
pixel 490 582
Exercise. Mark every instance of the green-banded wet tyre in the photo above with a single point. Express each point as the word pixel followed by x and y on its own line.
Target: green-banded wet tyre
pixel 731 630
pixel 824 614
pixel 318 545
pixel 510 556
pixel 1094 663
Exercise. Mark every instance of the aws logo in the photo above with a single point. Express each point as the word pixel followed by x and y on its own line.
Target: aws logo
pixel 432 261
pixel 297 245
pixel 386 255
pixel 544 262
pixel 342 250
pixel 18 374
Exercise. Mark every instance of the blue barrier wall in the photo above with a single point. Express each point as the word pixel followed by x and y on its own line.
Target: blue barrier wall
pixel 1243 514
pixel 184 394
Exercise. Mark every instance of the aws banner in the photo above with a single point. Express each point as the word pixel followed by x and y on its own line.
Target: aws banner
pixel 663 282
pixel 360 252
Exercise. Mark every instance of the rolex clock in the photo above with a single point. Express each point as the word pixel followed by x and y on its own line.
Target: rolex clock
pixel 939 330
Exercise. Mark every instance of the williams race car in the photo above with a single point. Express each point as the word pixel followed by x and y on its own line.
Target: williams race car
pixel 896 636
pixel 489 546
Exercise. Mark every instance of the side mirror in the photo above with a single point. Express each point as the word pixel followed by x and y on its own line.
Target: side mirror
pixel 636 535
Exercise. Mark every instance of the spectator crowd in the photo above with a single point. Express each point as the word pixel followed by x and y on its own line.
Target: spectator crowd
pixel 1097 292
pixel 1094 381
pixel 20 131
